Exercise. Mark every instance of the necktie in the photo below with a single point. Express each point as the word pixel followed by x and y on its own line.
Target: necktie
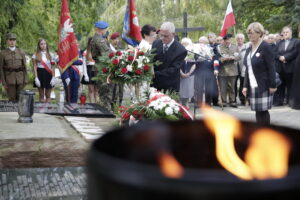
pixel 165 48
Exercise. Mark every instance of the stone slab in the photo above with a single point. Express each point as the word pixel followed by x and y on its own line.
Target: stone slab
pixel 43 126
pixel 73 109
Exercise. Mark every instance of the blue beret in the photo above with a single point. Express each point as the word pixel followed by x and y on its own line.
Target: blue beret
pixel 101 24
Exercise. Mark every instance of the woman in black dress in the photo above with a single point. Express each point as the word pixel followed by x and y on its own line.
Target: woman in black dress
pixel 89 71
pixel 260 73
pixel 44 70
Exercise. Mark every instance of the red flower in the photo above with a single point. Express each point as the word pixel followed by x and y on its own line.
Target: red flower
pixel 126 116
pixel 105 70
pixel 111 54
pixel 124 70
pixel 130 58
pixel 146 67
pixel 115 61
pixel 141 53
pixel 119 53
pixel 138 72
pixel 122 109
pixel 186 116
pixel 136 114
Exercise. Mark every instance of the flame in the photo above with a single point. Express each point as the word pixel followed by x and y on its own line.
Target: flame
pixel 267 156
pixel 225 128
pixel 268 153
pixel 169 166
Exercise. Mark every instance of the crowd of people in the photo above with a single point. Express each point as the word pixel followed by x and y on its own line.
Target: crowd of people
pixel 215 70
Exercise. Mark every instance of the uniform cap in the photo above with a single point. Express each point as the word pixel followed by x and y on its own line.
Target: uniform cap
pixel 101 24
pixel 11 36
pixel 114 35
pixel 227 36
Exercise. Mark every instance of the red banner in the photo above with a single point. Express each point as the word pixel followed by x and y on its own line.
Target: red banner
pixel 134 27
pixel 67 44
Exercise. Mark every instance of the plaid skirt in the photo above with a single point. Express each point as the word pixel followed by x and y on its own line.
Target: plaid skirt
pixel 260 101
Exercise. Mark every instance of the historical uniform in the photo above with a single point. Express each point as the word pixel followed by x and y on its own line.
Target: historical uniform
pixel 228 71
pixel 99 47
pixel 72 76
pixel 13 70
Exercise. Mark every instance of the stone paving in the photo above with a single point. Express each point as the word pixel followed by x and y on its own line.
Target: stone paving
pixel 43 183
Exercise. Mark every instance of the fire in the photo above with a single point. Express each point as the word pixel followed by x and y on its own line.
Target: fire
pixel 169 166
pixel 225 128
pixel 267 156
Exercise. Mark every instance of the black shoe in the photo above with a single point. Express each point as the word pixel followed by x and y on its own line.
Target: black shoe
pixel 278 104
pixel 233 105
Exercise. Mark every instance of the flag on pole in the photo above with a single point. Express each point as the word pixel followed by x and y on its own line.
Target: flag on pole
pixel 229 20
pixel 67 44
pixel 131 29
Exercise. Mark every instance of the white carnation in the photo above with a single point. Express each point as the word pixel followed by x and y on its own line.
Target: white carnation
pixel 169 111
pixel 176 109
pixel 129 68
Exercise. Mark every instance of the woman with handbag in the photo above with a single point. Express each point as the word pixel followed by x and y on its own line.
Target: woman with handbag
pixel 260 73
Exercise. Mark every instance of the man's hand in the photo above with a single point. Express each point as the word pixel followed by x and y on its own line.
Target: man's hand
pixel 245 91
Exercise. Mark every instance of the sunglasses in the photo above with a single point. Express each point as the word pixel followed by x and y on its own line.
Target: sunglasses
pixel 12 39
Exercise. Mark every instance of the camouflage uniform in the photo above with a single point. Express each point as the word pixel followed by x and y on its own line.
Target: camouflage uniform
pixel 13 72
pixel 100 46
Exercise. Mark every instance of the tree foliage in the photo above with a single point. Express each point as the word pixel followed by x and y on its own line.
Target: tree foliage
pixel 34 19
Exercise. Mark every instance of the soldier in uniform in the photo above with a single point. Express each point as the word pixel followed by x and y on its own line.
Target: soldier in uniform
pixel 13 71
pixel 99 47
pixel 228 70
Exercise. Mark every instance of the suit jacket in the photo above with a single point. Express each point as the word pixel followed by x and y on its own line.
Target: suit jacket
pixel 167 74
pixel 290 55
pixel 263 65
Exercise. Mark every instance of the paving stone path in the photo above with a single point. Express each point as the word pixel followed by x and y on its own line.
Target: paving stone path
pixel 43 183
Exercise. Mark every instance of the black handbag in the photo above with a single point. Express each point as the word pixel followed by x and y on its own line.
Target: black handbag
pixel 277 79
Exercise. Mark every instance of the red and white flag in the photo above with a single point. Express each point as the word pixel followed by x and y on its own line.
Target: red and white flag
pixel 229 20
pixel 134 27
pixel 67 44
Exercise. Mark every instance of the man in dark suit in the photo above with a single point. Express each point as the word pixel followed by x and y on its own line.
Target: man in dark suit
pixel 170 53
pixel 286 62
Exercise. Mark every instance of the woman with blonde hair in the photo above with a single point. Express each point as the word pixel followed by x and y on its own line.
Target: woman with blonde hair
pixel 260 73
pixel 44 71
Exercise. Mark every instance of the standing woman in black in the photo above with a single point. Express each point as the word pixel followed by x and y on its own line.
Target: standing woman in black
pixel 260 73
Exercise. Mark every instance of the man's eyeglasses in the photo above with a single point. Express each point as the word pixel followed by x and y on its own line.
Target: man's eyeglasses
pixel 12 39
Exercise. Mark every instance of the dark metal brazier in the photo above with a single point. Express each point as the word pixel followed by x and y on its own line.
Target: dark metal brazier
pixel 122 165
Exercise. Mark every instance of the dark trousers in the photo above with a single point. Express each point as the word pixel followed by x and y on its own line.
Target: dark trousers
pixel 71 91
pixel 13 92
pixel 239 89
pixel 284 89
pixel 118 91
pixel 263 117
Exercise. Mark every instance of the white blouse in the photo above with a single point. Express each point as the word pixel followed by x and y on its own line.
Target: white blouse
pixel 44 58
pixel 252 79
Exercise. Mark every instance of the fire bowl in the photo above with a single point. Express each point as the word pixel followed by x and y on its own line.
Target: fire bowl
pixel 122 165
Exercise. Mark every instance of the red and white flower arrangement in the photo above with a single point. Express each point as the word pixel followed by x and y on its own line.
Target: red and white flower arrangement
pixel 127 66
pixel 156 106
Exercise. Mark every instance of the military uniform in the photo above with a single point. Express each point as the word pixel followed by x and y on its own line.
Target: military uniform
pixel 13 72
pixel 99 47
pixel 228 72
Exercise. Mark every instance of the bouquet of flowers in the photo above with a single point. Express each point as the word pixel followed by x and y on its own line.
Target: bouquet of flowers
pixel 156 106
pixel 127 66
